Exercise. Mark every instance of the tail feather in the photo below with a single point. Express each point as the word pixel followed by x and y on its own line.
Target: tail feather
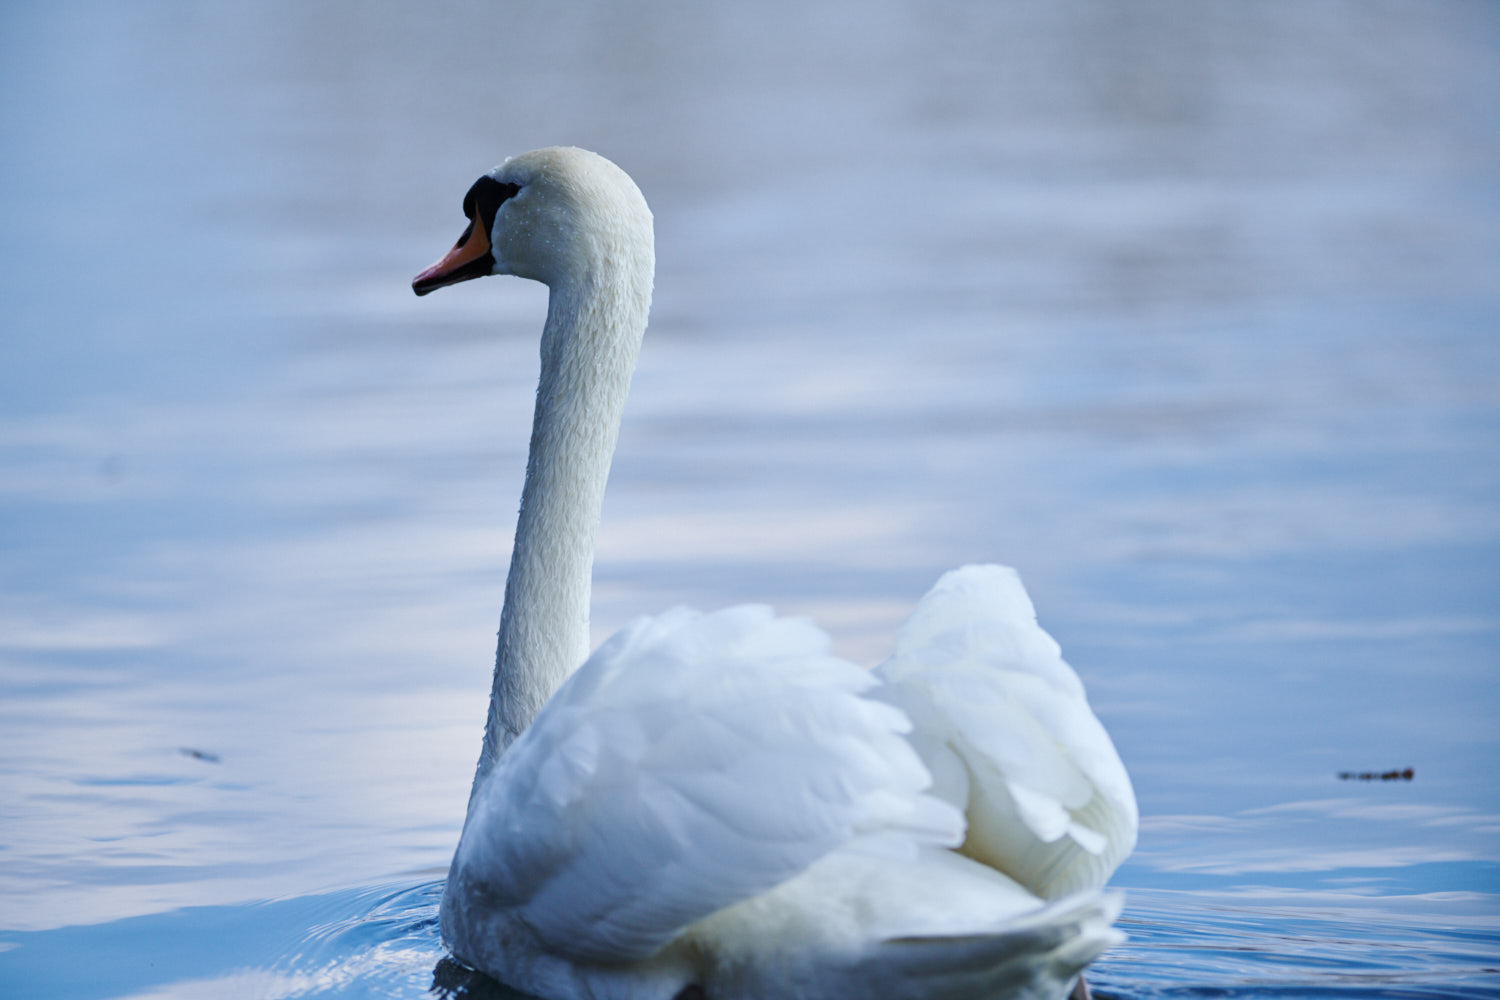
pixel 1037 958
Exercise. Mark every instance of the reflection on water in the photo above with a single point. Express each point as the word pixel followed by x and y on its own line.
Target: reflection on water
pixel 381 940
pixel 1185 310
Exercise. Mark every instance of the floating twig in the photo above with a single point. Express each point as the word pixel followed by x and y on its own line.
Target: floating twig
pixel 1403 775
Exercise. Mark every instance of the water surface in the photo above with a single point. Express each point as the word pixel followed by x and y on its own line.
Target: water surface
pixel 1188 311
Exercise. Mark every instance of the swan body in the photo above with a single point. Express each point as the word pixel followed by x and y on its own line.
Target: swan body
pixel 713 804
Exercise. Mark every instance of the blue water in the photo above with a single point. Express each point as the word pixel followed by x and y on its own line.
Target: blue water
pixel 1188 311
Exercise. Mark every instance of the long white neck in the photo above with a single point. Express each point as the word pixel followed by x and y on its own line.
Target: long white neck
pixel 595 321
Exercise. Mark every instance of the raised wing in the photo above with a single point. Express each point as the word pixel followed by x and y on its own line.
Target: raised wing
pixel 692 762
pixel 1002 722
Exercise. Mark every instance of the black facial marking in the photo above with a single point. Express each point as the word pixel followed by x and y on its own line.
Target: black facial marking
pixel 485 198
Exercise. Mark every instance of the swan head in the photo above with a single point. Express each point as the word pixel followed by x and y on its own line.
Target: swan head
pixel 552 215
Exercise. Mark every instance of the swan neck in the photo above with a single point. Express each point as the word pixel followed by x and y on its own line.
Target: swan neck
pixel 589 348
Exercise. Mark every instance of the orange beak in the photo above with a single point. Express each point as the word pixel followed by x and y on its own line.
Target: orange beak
pixel 469 258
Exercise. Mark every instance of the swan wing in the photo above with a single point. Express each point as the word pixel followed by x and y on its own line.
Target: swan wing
pixel 695 760
pixel 1002 722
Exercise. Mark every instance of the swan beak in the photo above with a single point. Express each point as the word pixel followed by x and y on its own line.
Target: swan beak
pixel 469 258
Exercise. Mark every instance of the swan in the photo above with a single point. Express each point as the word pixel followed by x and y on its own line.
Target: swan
pixel 713 805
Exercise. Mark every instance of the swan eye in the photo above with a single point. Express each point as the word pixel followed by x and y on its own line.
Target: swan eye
pixel 485 199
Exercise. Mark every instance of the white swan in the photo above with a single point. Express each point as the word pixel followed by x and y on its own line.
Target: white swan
pixel 713 805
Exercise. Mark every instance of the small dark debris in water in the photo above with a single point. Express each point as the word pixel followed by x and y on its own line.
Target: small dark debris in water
pixel 1405 775
pixel 203 755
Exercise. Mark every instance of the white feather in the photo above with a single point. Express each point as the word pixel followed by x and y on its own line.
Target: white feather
pixel 1004 719
pixel 715 800
pixel 692 762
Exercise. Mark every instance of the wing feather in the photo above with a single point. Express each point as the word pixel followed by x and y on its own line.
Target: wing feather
pixel 692 762
pixel 1003 724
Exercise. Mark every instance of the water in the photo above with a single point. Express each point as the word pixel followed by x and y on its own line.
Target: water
pixel 1186 310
